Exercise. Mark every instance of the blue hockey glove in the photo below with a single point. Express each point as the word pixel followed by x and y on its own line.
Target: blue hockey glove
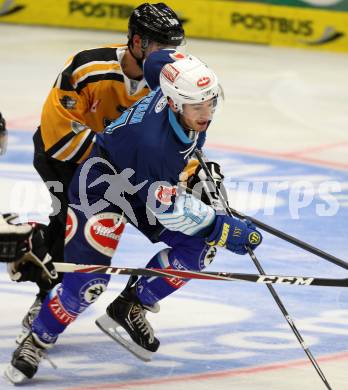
pixel 234 234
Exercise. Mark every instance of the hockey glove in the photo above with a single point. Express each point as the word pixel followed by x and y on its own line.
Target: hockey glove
pixel 36 264
pixel 234 234
pixel 13 238
pixel 3 136
pixel 202 187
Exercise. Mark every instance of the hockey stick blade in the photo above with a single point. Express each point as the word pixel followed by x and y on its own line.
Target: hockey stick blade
pixel 222 276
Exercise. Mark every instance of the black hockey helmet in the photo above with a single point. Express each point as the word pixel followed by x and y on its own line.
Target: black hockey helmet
pixel 156 22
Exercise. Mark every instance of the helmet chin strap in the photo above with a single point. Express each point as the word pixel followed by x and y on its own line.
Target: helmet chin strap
pixel 139 61
pixel 144 45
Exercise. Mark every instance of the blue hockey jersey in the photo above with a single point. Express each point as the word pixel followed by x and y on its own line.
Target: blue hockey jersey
pixel 149 139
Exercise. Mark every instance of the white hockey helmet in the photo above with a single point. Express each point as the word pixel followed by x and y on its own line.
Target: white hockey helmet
pixel 188 81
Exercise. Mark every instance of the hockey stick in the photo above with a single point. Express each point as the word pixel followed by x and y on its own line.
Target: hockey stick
pixel 278 233
pixel 222 276
pixel 270 287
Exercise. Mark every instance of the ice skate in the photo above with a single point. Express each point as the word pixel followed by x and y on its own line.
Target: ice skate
pixel 125 322
pixel 26 359
pixel 29 318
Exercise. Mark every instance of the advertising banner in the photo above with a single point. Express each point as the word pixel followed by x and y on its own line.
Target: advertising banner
pixel 318 24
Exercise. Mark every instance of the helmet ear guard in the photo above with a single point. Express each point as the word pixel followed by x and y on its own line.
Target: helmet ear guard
pixel 189 81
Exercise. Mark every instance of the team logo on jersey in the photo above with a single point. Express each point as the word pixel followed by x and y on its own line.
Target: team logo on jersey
pixel 164 194
pixel 71 225
pixel 170 73
pixel 92 290
pixel 203 81
pixel 103 232
pixel 68 102
pixel 161 104
pixel 177 56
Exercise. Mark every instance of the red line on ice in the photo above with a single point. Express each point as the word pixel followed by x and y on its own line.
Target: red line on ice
pixel 279 155
pixel 212 375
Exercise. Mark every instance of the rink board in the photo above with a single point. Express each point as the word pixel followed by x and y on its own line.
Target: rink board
pixel 320 28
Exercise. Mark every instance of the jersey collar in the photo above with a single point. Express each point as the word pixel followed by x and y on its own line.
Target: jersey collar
pixel 179 131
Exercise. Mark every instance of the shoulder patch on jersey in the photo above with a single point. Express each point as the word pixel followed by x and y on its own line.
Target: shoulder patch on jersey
pixel 161 104
pixel 103 232
pixel 68 102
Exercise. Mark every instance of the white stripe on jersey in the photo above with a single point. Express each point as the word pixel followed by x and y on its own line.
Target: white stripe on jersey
pixel 72 154
pixel 94 74
pixel 59 79
pixel 190 215
pixel 94 63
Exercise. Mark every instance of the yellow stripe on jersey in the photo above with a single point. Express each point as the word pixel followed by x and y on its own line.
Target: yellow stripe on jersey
pixel 89 91
pixel 68 151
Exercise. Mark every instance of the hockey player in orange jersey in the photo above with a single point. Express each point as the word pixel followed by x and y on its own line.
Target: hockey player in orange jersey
pixel 93 89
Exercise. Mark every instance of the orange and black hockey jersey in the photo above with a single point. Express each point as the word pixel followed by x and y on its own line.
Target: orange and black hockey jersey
pixel 90 92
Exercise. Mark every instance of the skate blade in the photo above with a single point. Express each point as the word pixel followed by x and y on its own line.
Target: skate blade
pixel 109 327
pixel 15 376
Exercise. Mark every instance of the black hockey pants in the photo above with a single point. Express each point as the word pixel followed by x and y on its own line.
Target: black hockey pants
pixel 53 172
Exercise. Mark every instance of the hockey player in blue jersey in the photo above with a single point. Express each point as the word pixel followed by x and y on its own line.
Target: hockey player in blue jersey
pixel 132 174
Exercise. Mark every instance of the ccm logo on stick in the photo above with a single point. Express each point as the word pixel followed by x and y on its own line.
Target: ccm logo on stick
pixel 285 280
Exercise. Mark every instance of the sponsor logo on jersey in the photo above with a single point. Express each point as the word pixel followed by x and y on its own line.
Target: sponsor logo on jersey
pixel 103 232
pixel 203 81
pixel 60 314
pixel 71 225
pixel 92 290
pixel 176 282
pixel 161 104
pixel 170 73
pixel 164 194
